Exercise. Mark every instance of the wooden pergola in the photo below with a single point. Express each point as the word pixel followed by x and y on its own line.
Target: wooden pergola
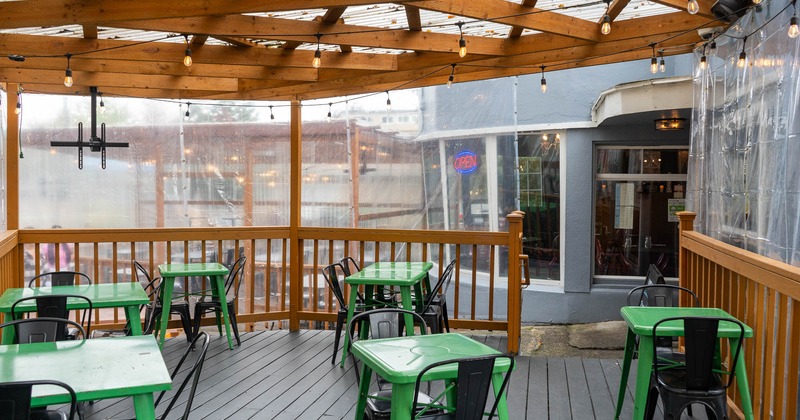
pixel 257 50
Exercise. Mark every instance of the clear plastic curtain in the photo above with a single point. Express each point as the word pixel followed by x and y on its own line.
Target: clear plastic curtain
pixel 744 171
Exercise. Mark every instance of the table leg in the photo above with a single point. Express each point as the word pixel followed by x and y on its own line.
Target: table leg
pixel 630 343
pixel 644 369
pixel 402 398
pixel 351 306
pixel 134 319
pixel 363 390
pixel 742 384
pixel 405 292
pixel 502 405
pixel 167 284
pixel 144 406
pixel 219 290
pixel 8 333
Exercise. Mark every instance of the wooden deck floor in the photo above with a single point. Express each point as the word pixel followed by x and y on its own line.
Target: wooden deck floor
pixel 285 375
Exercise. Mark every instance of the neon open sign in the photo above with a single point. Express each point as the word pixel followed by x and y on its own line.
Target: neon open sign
pixel 465 162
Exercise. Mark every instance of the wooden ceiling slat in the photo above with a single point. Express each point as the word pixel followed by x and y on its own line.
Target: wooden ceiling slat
pixel 516 31
pixel 413 18
pixel 120 80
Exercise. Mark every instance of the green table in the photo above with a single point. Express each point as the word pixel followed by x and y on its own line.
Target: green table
pixel 96 369
pixel 399 361
pixel 126 295
pixel 640 320
pixel 215 271
pixel 404 275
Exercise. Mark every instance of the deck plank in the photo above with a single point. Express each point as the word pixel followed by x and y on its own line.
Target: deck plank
pixel 288 375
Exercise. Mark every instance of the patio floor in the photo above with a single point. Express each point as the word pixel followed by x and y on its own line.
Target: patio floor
pixel 284 375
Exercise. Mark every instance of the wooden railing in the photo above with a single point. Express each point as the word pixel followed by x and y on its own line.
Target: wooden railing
pixel 272 290
pixel 764 294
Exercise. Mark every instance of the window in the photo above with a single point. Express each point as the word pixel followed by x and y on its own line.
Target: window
pixel 638 190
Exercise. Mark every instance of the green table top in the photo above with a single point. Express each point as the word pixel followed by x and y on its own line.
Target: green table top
pixel 192 269
pixel 391 273
pixel 102 296
pixel 399 360
pixel 640 320
pixel 96 369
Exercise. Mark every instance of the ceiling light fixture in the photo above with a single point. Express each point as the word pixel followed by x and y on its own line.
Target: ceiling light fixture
pixel 388 101
pixel 544 82
pixel 663 124
pixel 794 31
pixel 317 61
pixel 693 7
pixel 68 74
pixel 187 114
pixel 742 55
pixel 605 27
pixel 653 60
pixel 452 76
pixel 462 43
pixel 187 55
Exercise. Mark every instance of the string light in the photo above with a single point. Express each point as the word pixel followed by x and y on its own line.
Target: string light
pixel 793 29
pixel 271 115
pixel 452 76
pixel 544 82
pixel 102 105
pixel 187 114
pixel 68 74
pixel 330 104
pixel 742 55
pixel 187 56
pixel 317 61
pixel 388 101
pixel 462 43
pixel 693 7
pixel 663 64
pixel 18 109
pixel 703 60
pixel 654 61
pixel 757 1
pixel 605 27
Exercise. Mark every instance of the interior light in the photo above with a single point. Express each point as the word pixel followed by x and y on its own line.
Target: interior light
pixel 692 7
pixel 187 55
pixel 317 61
pixel 544 82
pixel 670 124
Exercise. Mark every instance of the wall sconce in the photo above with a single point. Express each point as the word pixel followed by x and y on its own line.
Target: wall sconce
pixel 670 124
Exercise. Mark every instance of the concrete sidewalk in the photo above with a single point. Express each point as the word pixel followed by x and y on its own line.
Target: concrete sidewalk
pixel 602 340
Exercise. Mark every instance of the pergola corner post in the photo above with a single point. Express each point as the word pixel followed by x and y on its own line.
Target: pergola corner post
pixel 686 224
pixel 296 247
pixel 514 281
pixel 12 157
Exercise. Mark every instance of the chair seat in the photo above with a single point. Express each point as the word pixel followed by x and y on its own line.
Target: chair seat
pixel 675 381
pixel 382 408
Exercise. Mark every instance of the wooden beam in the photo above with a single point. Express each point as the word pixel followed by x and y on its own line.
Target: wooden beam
pixel 90 31
pixel 33 13
pixel 516 31
pixel 413 19
pixel 297 31
pixel 199 39
pixel 680 5
pixel 515 15
pixel 120 80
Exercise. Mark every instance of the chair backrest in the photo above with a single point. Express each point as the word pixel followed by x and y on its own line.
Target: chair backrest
pixel 41 330
pixel 701 344
pixel 235 277
pixel 661 295
pixel 349 265
pixel 143 277
pixel 15 398
pixel 192 374
pixel 230 258
pixel 60 278
pixel 447 274
pixel 331 274
pixel 654 276
pixel 52 306
pixel 472 385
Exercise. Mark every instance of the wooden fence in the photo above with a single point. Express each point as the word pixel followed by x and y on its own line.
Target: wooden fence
pixel 762 293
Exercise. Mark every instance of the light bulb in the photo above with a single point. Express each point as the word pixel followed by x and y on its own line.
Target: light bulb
pixel 102 107
pixel 605 28
pixel 742 60
pixel 692 7
pixel 18 109
pixel 186 116
pixel 329 116
pixel 544 85
pixel 757 1
pixel 703 63
pixel 654 65
pixel 793 29
pixel 389 104
pixel 462 48
pixel 450 81
pixel 329 111
pixel 662 66
pixel 68 78
pixel 187 58
pixel 317 61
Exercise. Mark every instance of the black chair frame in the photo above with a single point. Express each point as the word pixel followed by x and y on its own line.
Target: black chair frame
pixel 430 310
pixel 15 399
pixel 233 282
pixel 55 306
pixel 193 374
pixel 60 278
pixel 332 279
pixel 55 325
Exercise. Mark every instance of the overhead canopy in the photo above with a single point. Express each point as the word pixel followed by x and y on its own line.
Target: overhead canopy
pixel 263 50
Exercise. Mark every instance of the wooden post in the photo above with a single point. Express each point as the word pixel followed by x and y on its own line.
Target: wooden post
pixel 12 158
pixel 514 281
pixel 296 247
pixel 686 224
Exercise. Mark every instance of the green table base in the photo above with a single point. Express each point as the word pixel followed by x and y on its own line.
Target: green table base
pixel 403 275
pixel 95 369
pixel 129 295
pixel 640 320
pixel 215 271
pixel 399 361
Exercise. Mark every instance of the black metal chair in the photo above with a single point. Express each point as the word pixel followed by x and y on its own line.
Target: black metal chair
pixel 382 323
pixel 178 305
pixel 55 306
pixel 15 401
pixel 661 295
pixel 385 297
pixel 59 278
pixel 40 330
pixel 151 288
pixel 209 303
pixel 472 389
pixel 431 311
pixel 440 299
pixel 698 379
pixel 333 279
